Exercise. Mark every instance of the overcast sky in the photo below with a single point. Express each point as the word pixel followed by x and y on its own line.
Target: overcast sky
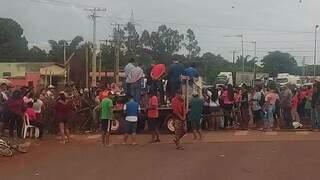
pixel 286 25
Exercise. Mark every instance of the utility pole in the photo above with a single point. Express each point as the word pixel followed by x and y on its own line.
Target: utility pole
pixel 94 48
pixel 254 59
pixel 87 67
pixel 117 52
pixel 242 52
pixel 242 46
pixel 315 52
pixel 304 65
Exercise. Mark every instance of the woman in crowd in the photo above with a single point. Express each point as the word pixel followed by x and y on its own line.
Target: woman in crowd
pixel 257 101
pixel 269 108
pixel 316 107
pixel 16 108
pixel 294 106
pixel 63 111
pixel 244 108
pixel 33 118
pixel 227 98
pixel 28 97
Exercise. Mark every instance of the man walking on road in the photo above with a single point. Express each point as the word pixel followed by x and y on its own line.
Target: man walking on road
pixel 106 119
pixel 153 115
pixel 131 109
pixel 179 116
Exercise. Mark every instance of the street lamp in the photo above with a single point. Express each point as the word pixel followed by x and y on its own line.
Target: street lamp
pixel 241 36
pixel 254 59
pixel 315 51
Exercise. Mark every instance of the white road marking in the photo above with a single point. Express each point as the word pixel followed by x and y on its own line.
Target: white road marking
pixel 241 133
pixel 271 133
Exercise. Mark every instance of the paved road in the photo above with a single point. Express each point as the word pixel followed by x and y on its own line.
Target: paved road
pixel 85 159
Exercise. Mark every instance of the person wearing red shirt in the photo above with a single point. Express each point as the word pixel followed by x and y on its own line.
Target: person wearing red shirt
pixel 63 111
pixel 179 116
pixel 294 106
pixel 153 115
pixel 16 108
pixel 33 118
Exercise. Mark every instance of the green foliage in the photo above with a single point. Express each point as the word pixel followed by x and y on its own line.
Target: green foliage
pixel 12 42
pixel 191 44
pixel 279 62
pixel 37 53
pixel 56 51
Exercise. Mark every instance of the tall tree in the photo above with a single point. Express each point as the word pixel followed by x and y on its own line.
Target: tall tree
pixel 132 39
pixel 12 42
pixel 57 48
pixel 36 53
pixel 191 44
pixel 166 41
pixel 279 62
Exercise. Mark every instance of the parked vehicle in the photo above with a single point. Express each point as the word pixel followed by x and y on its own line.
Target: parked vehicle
pixel 241 78
pixel 287 79
pixel 224 78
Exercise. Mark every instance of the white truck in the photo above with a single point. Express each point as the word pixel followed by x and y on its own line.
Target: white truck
pixel 224 78
pixel 287 79
pixel 241 78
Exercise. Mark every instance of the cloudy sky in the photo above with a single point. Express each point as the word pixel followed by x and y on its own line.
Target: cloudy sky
pixel 286 25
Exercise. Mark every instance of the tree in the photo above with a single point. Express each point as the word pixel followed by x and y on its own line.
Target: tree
pixel 279 62
pixel 12 42
pixel 132 39
pixel 57 48
pixel 165 41
pixel 191 44
pixel 36 53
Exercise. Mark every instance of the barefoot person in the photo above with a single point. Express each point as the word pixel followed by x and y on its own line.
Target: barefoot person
pixel 106 119
pixel 62 114
pixel 179 116
pixel 131 109
pixel 153 115
pixel 196 108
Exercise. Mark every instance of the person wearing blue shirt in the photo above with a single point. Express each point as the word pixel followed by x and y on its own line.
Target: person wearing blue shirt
pixel 191 71
pixel 175 70
pixel 131 109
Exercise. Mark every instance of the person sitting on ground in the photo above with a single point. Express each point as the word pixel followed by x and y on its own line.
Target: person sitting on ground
pixel 131 109
pixel 33 119
pixel 195 115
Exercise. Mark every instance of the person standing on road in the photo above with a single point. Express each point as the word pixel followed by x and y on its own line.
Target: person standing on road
pixel 195 113
pixel 294 105
pixel 131 109
pixel 315 104
pixel 106 117
pixel 269 108
pixel 153 115
pixel 285 103
pixel 16 108
pixel 63 112
pixel 3 109
pixel 227 98
pixel 179 116
pixel 257 101
pixel 244 108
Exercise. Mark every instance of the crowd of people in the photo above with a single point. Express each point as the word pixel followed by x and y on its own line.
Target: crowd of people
pixel 225 107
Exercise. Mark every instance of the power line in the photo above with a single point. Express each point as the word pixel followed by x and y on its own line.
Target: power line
pixel 94 16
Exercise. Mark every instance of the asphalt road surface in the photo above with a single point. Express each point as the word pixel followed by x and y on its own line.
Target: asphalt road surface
pixel 88 160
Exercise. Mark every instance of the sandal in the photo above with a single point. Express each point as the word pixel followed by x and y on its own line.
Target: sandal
pixel 180 148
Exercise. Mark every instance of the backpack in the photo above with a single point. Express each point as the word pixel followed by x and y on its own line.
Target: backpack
pixel 262 100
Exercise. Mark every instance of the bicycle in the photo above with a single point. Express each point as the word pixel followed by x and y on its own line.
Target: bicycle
pixel 7 149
